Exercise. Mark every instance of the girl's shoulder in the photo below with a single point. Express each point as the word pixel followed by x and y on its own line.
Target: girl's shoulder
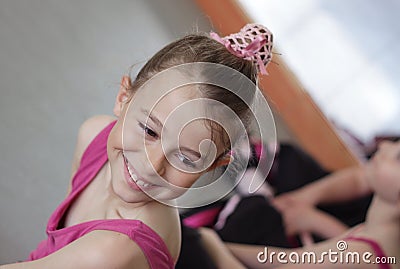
pixel 91 127
pixel 164 220
pixel 87 132
pixel 96 249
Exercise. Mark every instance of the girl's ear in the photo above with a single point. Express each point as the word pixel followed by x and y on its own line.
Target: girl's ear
pixel 225 160
pixel 122 96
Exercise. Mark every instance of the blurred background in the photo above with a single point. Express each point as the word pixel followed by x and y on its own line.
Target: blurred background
pixel 345 53
pixel 61 62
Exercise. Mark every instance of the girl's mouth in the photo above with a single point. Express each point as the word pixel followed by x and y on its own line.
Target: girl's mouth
pixel 134 180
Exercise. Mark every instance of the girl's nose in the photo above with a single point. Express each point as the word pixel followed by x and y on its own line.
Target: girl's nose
pixel 156 160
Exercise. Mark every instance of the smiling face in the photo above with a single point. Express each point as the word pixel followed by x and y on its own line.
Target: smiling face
pixel 157 148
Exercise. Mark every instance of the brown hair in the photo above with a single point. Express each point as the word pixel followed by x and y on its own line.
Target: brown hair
pixel 201 48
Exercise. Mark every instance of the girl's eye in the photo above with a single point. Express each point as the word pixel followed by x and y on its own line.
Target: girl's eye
pixel 148 131
pixel 186 160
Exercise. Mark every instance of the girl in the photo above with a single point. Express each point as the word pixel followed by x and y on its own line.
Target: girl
pixel 127 169
pixel 379 235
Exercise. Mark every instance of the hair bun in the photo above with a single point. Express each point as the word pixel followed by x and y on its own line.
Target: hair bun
pixel 253 42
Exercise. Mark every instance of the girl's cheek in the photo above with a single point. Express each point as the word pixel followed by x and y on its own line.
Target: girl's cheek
pixel 132 140
pixel 186 182
pixel 387 184
pixel 370 174
pixel 192 181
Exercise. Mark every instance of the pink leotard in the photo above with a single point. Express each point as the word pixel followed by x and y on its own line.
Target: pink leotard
pixel 93 159
pixel 375 247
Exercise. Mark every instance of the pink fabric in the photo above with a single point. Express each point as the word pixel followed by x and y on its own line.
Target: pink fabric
pixel 202 219
pixel 253 42
pixel 227 211
pixel 258 148
pixel 375 247
pixel 92 161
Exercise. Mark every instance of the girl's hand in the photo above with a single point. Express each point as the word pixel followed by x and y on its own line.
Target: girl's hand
pixel 303 219
pixel 297 215
pixel 300 218
pixel 287 200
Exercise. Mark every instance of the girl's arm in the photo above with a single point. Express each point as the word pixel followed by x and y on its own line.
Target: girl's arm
pixel 272 257
pixel 217 250
pixel 302 218
pixel 340 186
pixel 97 250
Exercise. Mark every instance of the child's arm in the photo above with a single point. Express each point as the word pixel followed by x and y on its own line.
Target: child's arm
pixel 344 185
pixel 249 255
pixel 87 132
pixel 217 250
pixel 297 207
pixel 302 218
pixel 97 249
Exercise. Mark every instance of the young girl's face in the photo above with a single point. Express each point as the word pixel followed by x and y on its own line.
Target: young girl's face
pixel 384 171
pixel 158 149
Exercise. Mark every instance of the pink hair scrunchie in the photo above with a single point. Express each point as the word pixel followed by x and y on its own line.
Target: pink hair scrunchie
pixel 253 42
